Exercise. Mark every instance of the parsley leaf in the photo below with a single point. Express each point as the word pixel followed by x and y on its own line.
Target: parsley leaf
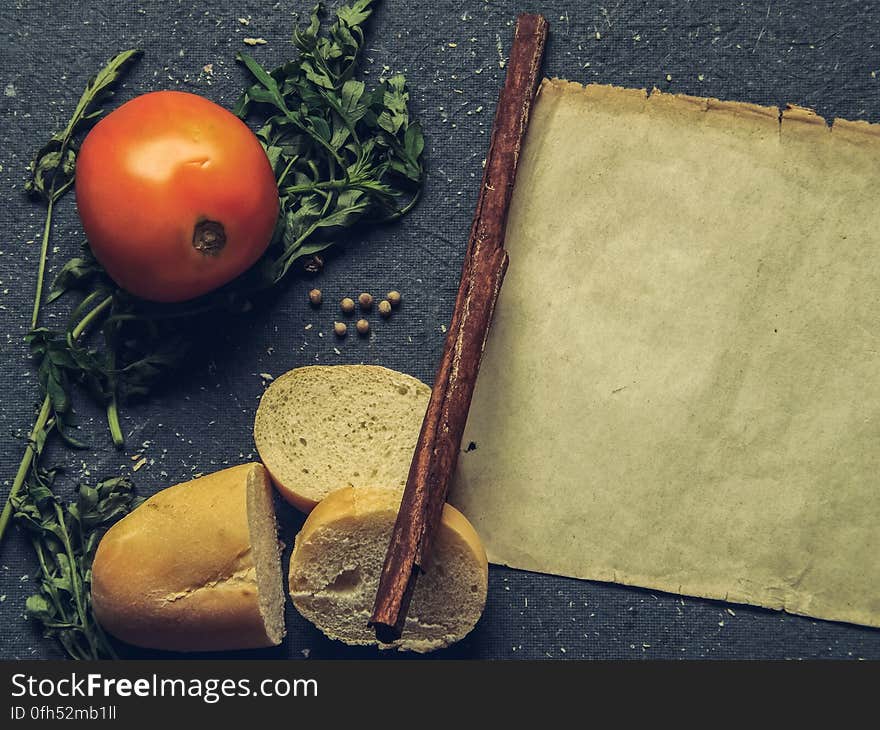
pixel 342 154
pixel 52 169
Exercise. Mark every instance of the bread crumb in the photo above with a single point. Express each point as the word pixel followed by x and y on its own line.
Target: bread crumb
pixel 268 377
pixel 244 21
pixel 139 465
pixel 502 61
pixel 255 41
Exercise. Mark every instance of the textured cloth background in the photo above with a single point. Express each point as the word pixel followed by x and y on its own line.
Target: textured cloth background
pixel 814 54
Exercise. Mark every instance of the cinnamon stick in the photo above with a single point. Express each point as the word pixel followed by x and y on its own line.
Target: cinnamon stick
pixel 483 272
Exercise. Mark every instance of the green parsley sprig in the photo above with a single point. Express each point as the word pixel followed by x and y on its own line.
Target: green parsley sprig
pixel 52 175
pixel 52 170
pixel 65 539
pixel 343 155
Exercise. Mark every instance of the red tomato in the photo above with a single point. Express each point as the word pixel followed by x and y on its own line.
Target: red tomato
pixel 176 195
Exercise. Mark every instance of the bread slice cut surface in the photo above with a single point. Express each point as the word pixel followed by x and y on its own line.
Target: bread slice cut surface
pixel 322 428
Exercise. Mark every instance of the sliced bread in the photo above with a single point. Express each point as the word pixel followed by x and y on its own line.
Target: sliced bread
pixel 196 567
pixel 337 560
pixel 321 428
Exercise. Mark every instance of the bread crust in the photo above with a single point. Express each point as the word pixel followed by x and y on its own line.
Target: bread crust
pixel 348 506
pixel 178 572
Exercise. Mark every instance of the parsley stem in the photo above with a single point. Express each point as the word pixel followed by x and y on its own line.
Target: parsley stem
pixel 112 408
pixel 26 461
pixel 90 317
pixel 48 574
pixel 404 210
pixel 113 421
pixel 311 133
pixel 40 425
pixel 287 169
pixel 44 249
pixel 51 197
pixel 75 579
pixel 321 185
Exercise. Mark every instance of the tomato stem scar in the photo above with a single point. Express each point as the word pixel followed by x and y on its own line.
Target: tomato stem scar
pixel 209 237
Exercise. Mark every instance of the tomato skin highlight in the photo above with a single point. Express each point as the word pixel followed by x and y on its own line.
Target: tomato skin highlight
pixel 176 196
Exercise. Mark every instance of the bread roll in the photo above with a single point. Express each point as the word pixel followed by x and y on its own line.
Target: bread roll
pixel 337 560
pixel 321 428
pixel 196 567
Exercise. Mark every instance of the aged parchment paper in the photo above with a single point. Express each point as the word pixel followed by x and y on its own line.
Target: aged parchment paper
pixel 681 389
